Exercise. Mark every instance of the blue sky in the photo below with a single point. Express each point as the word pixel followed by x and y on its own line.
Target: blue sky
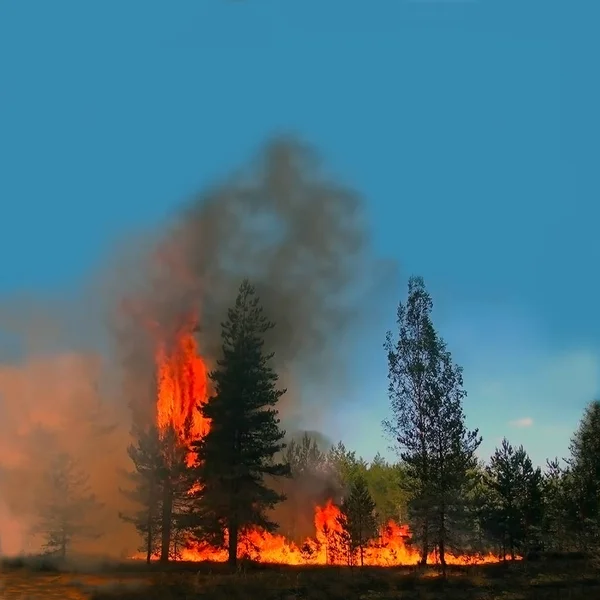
pixel 471 127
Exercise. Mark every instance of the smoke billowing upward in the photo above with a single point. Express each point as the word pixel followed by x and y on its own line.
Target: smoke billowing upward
pixel 295 233
pixel 300 238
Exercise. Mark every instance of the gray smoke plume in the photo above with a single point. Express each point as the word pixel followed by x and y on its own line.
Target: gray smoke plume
pixel 299 237
pixel 282 222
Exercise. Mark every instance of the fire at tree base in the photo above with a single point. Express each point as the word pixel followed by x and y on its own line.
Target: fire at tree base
pixel 328 547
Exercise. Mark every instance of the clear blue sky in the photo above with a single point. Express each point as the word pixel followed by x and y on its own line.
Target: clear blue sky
pixel 471 127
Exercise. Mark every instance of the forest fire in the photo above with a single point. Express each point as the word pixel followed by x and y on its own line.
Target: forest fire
pixel 328 547
pixel 182 386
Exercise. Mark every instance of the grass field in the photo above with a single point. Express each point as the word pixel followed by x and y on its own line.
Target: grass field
pixel 543 580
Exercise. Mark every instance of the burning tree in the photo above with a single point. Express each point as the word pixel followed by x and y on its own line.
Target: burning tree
pixel 65 507
pixel 239 449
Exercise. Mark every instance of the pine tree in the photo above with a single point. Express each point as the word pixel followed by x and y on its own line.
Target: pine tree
pixel 174 480
pixel 147 460
pixel 66 506
pixel 584 479
pixel 161 485
pixel 239 451
pixel 453 449
pixel 426 393
pixel 412 361
pixel 515 511
pixel 358 517
pixel 555 526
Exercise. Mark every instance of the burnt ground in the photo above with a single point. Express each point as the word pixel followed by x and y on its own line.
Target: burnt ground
pixel 558 578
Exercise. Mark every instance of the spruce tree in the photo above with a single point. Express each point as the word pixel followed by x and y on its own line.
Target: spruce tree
pixel 239 452
pixel 358 517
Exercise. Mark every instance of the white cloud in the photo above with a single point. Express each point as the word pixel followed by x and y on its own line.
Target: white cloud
pixel 522 422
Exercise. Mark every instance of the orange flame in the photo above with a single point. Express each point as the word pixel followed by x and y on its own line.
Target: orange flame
pixel 182 388
pixel 328 547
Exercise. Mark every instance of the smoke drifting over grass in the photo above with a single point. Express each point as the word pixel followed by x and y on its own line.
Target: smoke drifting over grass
pixel 298 235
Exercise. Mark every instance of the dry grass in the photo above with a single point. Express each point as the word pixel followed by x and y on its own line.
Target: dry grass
pixel 543 580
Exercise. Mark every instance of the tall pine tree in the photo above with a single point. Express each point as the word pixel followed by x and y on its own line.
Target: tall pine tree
pixel 426 393
pixel 453 458
pixel 411 361
pixel 239 452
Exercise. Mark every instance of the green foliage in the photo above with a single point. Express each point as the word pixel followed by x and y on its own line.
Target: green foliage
pixel 452 502
pixel 303 456
pixel 239 451
pixel 583 479
pixel 515 507
pixel 358 518
pixel 428 426
pixel 556 533
pixel 387 488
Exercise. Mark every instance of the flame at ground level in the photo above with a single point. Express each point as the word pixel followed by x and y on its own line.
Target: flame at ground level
pixel 327 547
pixel 182 390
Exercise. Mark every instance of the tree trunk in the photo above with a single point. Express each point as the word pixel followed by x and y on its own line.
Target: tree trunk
pixel 149 528
pixel 442 540
pixel 149 545
pixel 425 544
pixel 442 555
pixel 167 515
pixel 362 558
pixel 233 544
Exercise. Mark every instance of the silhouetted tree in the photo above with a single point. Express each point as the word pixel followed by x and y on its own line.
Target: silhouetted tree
pixel 239 450
pixel 453 449
pixel 160 489
pixel 515 508
pixel 583 479
pixel 357 518
pixel 555 531
pixel 426 393
pixel 146 493
pixel 66 506
pixel 412 362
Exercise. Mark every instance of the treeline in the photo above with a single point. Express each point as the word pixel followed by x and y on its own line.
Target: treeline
pixel 243 475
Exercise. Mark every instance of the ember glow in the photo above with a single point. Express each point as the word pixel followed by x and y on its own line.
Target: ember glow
pixel 182 388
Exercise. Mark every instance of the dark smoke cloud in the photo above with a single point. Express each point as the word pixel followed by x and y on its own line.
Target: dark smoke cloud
pixel 297 234
pixel 281 221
